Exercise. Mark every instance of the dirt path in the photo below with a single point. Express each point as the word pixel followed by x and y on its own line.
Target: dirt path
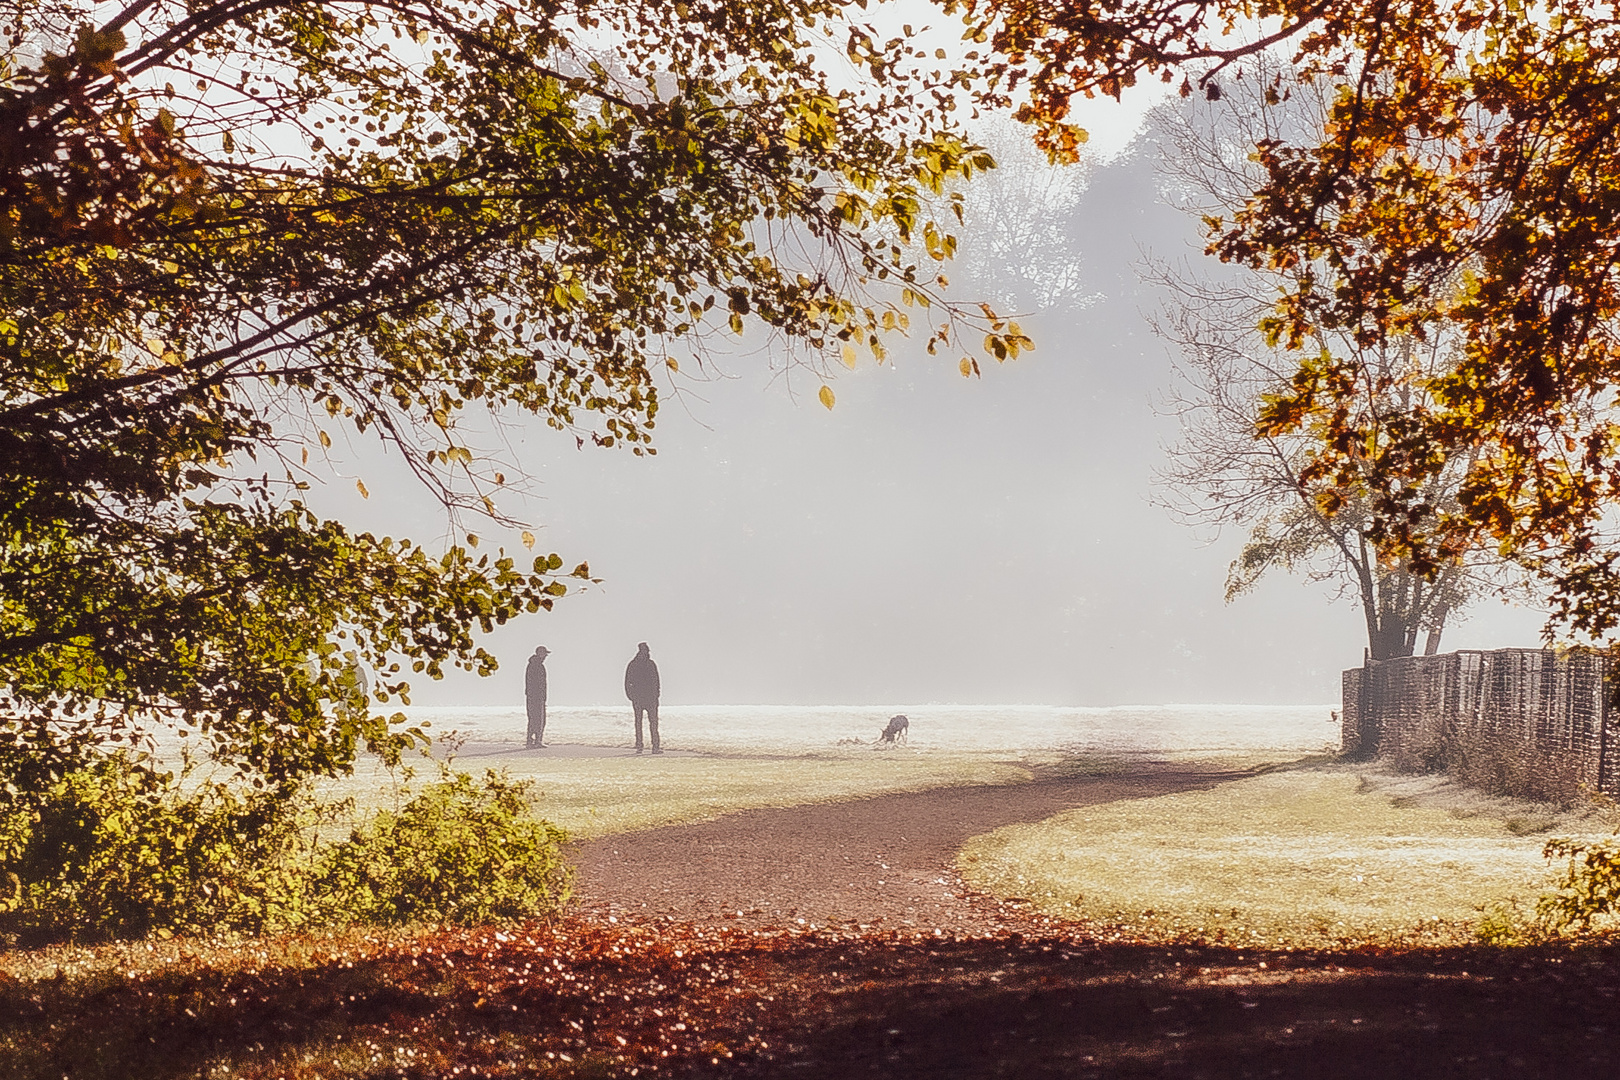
pixel 885 861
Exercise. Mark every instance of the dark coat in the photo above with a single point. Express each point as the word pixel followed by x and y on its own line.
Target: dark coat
pixel 534 680
pixel 641 680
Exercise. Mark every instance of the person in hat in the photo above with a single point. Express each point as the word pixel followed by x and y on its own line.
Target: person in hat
pixel 641 687
pixel 534 686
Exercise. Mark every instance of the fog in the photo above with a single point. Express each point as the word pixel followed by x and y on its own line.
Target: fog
pixel 930 539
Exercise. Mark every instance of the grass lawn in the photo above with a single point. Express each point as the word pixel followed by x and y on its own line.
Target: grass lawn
pixel 1310 856
pixel 596 796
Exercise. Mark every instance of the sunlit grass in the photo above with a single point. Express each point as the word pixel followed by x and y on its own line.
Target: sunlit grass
pixel 1311 856
pixel 593 797
pixel 599 796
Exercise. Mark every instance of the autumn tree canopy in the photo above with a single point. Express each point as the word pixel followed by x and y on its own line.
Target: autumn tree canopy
pixel 1221 471
pixel 1466 183
pixel 229 226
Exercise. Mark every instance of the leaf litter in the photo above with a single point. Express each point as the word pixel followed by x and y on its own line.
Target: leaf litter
pixel 593 998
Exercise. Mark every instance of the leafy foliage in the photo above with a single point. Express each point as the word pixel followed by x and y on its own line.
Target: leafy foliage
pixel 119 849
pixel 229 227
pixel 1588 889
pixel 461 851
pixel 1459 188
pixel 1223 471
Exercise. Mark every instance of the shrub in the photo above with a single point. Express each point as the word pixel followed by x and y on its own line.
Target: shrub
pixel 1585 895
pixel 1492 761
pixel 462 851
pixel 115 847
pixel 118 848
pixel 1587 891
pixel 1503 923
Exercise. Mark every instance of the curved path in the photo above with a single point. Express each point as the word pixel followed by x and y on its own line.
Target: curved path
pixel 886 861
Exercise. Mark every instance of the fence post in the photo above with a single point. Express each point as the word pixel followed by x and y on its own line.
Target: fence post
pixel 1359 720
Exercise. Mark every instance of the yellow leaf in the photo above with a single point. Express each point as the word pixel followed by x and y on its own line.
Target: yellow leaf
pixel 326 440
pixel 849 357
pixel 364 494
pixel 965 367
pixel 672 365
pixel 826 396
pixel 528 539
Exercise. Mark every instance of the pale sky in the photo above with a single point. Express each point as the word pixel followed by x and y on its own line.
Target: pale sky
pixel 931 539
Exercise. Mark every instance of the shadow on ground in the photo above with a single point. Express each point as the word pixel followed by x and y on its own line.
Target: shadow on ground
pixel 1046 1009
pixel 589 999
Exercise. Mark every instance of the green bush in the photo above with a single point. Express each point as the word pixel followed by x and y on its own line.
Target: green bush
pixel 115 847
pixel 1588 890
pixel 1503 923
pixel 1584 898
pixel 461 851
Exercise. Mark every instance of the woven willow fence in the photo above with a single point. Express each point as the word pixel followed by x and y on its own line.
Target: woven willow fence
pixel 1537 723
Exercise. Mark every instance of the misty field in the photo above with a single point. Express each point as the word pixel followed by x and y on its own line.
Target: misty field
pixel 1312 856
pixel 729 758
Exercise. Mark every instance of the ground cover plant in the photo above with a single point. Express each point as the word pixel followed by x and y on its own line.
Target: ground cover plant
pixel 1303 857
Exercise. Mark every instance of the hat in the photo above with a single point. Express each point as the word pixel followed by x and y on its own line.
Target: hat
pixel 542 649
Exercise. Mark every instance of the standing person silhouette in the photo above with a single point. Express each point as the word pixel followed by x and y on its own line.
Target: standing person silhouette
pixel 534 691
pixel 641 687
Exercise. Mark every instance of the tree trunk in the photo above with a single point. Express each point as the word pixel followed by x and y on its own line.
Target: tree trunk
pixel 1393 615
pixel 1392 639
pixel 1436 626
